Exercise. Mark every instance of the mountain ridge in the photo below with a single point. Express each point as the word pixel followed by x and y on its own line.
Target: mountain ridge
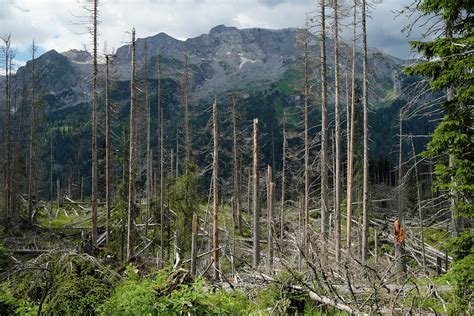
pixel 227 58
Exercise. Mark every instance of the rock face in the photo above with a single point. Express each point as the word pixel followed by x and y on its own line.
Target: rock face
pixel 226 58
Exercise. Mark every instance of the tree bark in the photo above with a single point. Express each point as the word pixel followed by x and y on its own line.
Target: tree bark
pixel 187 139
pixel 420 207
pixel 149 152
pixel 324 127
pixel 350 155
pixel 365 193
pixel 131 166
pixel 32 147
pixel 270 219
pixel 306 143
pixel 236 212
pixel 161 134
pixel 337 189
pixel 256 204
pixel 94 129
pixel 283 175
pixel 194 245
pixel 215 173
pixel 107 149
pixel 6 142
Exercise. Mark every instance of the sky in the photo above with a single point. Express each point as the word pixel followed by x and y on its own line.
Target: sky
pixel 59 24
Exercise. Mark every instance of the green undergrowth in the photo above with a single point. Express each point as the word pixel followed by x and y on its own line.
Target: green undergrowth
pixel 73 284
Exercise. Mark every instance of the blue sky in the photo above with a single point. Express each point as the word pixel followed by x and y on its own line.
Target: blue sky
pixel 57 24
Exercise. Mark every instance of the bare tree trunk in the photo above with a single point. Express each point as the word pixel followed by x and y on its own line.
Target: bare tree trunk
pixel 149 152
pixel 187 139
pixel 107 150
pixel 337 188
pixel 324 126
pixel 131 167
pixel 365 200
pixel 31 160
pixel 270 190
pixel 283 175
pixel 194 245
pixel 51 194
pixel 177 153
pixel 215 170
pixel 256 204
pixel 350 154
pixel 94 129
pixel 82 189
pixel 420 208
pixel 236 205
pixel 6 143
pixel 306 144
pixel 58 191
pixel 400 247
pixel 161 122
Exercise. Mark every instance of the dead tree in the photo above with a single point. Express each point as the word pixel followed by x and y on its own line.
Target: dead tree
pixel 255 201
pixel 306 41
pixel 187 137
pixel 131 161
pixel 94 121
pixel 107 148
pixel 6 141
pixel 324 126
pixel 149 152
pixel 161 135
pixel 365 190
pixel 236 213
pixel 270 189
pixel 215 188
pixel 420 207
pixel 350 152
pixel 194 245
pixel 283 175
pixel 32 147
pixel 337 190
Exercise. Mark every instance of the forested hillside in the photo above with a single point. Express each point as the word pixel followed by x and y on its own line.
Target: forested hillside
pixel 244 171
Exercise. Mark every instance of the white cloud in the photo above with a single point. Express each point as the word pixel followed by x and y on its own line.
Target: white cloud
pixel 54 23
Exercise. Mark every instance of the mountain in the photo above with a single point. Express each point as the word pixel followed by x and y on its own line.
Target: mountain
pixel 225 59
pixel 261 65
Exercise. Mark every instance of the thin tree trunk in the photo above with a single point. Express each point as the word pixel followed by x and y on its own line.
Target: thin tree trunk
pixel 283 175
pixel 31 160
pixel 420 208
pixel 306 144
pixel 131 167
pixel 162 171
pixel 400 247
pixel 256 204
pixel 324 126
pixel 270 219
pixel 177 153
pixel 6 143
pixel 149 152
pixel 194 245
pixel 107 150
pixel 236 205
pixel 365 200
pixel 94 129
pixel 215 169
pixel 337 189
pixel 187 139
pixel 350 155
pixel 51 189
